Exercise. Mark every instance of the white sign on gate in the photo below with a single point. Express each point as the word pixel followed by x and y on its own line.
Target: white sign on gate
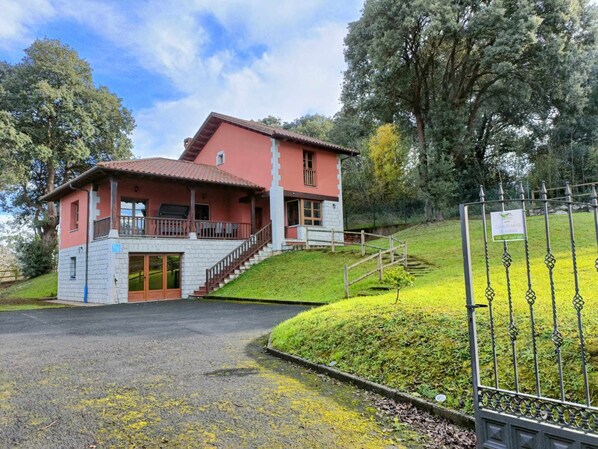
pixel 508 225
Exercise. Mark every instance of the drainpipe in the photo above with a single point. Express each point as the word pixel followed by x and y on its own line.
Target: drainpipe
pixel 85 287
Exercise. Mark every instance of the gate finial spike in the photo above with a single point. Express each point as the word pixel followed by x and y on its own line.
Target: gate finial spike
pixel 543 191
pixel 482 194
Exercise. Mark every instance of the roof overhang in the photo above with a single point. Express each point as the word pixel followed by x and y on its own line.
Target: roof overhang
pixel 99 173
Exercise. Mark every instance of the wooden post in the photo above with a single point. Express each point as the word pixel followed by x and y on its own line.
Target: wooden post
pixel 113 203
pixel 380 266
pixel 306 238
pixel 192 227
pixel 253 230
pixel 405 255
pixel 391 246
pixel 346 281
pixel 362 243
pixel 333 240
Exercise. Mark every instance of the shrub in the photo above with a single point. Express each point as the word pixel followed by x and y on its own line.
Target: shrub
pixel 35 256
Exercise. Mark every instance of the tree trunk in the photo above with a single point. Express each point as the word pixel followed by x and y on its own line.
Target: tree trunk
pixel 48 231
pixel 423 161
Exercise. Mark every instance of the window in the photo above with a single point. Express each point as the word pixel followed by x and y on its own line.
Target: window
pixel 132 217
pixel 304 212
pixel 312 213
pixel 74 215
pixel 73 268
pixel 202 212
pixel 133 208
pixel 220 158
pixel 309 172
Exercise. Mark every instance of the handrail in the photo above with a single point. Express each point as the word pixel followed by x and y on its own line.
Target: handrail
pixel 221 269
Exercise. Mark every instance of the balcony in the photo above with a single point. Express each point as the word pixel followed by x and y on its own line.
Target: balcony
pixel 309 177
pixel 159 227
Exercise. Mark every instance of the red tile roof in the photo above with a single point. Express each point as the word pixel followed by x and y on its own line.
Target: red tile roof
pixel 172 168
pixel 211 124
pixel 156 167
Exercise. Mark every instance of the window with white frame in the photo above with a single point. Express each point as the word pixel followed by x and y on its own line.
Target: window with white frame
pixel 73 268
pixel 220 158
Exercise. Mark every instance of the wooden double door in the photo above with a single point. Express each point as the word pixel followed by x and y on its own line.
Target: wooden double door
pixel 154 276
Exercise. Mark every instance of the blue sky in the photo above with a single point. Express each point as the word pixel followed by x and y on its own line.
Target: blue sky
pixel 174 62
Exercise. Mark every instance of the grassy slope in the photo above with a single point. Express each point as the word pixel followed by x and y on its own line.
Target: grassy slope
pixel 311 276
pixel 26 295
pixel 421 345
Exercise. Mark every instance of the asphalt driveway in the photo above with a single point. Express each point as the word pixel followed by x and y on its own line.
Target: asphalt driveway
pixel 170 375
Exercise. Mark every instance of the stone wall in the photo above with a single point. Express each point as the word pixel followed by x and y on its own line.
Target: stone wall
pixel 109 265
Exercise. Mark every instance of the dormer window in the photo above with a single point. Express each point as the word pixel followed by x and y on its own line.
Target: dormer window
pixel 220 158
pixel 309 172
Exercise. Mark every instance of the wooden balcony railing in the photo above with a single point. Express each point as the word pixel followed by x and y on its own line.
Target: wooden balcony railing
pixel 153 227
pixel 309 177
pixel 101 228
pixel 222 230
pixel 172 227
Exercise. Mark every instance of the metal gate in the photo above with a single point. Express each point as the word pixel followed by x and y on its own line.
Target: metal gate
pixel 531 350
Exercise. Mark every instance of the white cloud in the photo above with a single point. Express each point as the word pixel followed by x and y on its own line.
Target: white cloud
pixel 17 18
pixel 299 73
pixel 298 77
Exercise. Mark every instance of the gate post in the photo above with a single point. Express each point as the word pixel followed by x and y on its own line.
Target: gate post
pixel 470 304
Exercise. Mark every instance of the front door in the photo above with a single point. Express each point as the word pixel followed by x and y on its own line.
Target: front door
pixel 154 276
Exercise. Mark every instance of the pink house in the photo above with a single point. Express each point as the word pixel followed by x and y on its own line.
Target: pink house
pixel 160 228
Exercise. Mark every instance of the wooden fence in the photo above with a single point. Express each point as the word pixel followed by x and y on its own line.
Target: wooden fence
pixel 334 238
pixel 10 275
pixel 396 255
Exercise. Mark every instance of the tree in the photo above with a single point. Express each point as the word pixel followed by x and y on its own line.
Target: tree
pixel 468 81
pixel 389 156
pixel 398 278
pixel 314 125
pixel 55 124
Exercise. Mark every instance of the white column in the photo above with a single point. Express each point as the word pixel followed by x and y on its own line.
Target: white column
pixel 276 200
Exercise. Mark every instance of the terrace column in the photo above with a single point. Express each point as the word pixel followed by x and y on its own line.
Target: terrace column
pixel 253 230
pixel 192 229
pixel 113 207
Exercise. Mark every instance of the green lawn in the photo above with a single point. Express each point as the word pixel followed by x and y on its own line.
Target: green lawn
pixel 26 295
pixel 421 344
pixel 310 276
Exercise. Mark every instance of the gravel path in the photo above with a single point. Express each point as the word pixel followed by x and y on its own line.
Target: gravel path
pixel 172 375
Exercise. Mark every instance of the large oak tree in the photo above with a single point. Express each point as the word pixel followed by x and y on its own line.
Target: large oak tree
pixel 54 124
pixel 469 80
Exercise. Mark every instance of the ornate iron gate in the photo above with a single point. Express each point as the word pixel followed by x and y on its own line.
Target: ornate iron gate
pixel 530 352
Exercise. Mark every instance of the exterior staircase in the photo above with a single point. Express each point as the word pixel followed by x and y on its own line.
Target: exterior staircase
pixel 255 249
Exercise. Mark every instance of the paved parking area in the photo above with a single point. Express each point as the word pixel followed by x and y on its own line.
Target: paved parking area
pixel 170 375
